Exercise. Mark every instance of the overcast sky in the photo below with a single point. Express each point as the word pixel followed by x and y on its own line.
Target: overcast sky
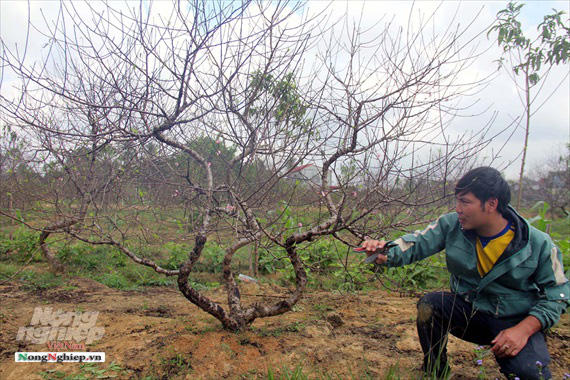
pixel 550 128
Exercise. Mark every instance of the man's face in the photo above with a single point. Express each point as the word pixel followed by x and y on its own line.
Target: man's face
pixel 472 213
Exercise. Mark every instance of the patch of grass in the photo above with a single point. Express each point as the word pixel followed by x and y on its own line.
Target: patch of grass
pixel 211 324
pixel 287 374
pixel 265 332
pixel 108 266
pixel 40 281
pixel 114 280
pixel 296 327
pixel 229 350
pixel 176 364
pixel 7 270
pixel 322 307
pixel 87 371
pixel 301 373
pixel 396 372
pixel 393 373
pixel 118 271
pixel 100 373
pixel 137 275
pixel 278 331
pixel 53 374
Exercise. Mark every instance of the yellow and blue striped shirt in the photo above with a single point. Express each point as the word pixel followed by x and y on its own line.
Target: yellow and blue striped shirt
pixel 489 249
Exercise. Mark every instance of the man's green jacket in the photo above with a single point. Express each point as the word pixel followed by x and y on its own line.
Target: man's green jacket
pixel 527 279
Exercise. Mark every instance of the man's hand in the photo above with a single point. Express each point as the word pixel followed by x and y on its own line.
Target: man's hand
pixel 511 341
pixel 372 246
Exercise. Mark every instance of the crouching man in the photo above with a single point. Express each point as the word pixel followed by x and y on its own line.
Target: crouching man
pixel 507 280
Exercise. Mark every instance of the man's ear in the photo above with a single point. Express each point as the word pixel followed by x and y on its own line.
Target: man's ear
pixel 492 204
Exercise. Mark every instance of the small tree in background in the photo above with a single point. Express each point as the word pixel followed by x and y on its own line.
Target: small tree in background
pixel 528 58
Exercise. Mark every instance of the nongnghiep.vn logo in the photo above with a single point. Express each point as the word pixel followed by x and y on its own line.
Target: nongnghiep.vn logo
pixel 47 325
pixel 60 357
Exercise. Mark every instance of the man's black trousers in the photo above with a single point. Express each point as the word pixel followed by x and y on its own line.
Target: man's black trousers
pixel 443 312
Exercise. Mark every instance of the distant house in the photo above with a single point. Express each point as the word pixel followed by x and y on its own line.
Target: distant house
pixel 308 173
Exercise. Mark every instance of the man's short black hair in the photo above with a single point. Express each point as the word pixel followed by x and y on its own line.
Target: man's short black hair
pixel 485 183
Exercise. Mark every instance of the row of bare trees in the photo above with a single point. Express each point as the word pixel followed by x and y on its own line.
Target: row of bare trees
pixel 132 117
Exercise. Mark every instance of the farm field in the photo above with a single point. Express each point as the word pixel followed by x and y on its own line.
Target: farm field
pixel 155 333
pixel 340 329
pixel 189 189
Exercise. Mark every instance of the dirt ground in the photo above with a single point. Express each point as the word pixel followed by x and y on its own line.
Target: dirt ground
pixel 157 334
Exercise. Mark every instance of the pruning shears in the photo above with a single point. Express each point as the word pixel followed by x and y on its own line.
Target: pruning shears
pixel 372 258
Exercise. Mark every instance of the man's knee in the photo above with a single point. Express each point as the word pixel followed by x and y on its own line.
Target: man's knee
pixel 434 301
pixel 527 371
pixel 531 362
pixel 428 305
pixel 425 312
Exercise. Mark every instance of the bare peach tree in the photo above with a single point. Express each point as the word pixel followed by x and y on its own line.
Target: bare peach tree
pixel 202 118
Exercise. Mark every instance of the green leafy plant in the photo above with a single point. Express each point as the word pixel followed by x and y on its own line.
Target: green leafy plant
pixel 211 259
pixel 540 222
pixel 352 278
pixel 177 254
pixel 20 245
pixel 416 277
pixel 320 257
pixel 268 262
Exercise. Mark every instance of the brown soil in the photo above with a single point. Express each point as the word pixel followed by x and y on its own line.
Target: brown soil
pixel 157 333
